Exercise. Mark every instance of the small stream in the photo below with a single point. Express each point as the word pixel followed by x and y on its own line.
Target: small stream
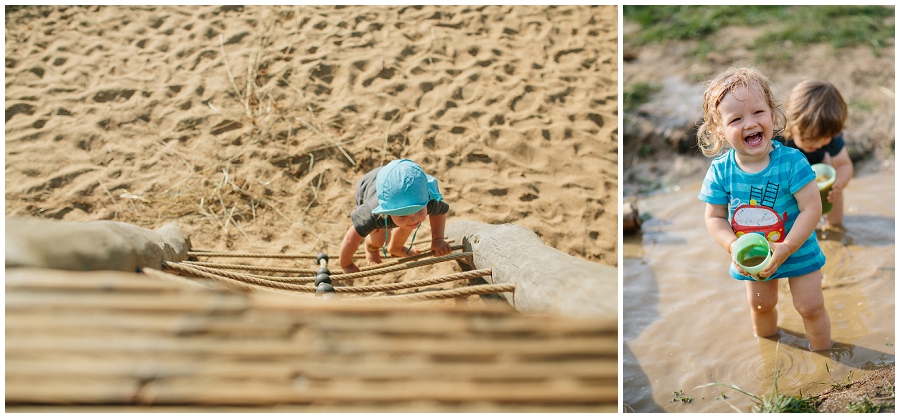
pixel 687 323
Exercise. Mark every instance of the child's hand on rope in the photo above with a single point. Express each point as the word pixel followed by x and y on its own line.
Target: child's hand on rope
pixel 440 247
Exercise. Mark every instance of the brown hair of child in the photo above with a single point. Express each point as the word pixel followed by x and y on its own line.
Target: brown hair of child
pixel 817 111
pixel 710 137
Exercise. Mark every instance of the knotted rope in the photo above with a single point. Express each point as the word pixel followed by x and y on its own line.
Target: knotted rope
pixel 483 289
pixel 401 260
pixel 248 267
pixel 230 278
pixel 212 271
pixel 210 253
pixel 415 283
pixel 227 276
pixel 205 253
pixel 391 269
pixel 297 270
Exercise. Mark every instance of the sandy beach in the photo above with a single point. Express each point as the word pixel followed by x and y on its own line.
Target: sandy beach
pixel 250 126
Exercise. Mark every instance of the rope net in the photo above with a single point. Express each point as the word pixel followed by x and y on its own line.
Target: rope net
pixel 386 267
pixel 196 252
pixel 310 280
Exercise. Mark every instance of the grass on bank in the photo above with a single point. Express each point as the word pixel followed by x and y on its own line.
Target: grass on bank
pixel 839 26
pixel 636 94
pixel 866 406
pixel 774 402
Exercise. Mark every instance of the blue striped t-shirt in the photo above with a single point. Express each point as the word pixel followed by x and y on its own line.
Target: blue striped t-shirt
pixel 764 203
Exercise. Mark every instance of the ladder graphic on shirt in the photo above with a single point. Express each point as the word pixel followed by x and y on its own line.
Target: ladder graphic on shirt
pixel 764 196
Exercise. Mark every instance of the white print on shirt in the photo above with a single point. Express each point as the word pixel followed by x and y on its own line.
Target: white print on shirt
pixel 758 216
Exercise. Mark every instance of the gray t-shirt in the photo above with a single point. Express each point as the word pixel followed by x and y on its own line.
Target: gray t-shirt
pixel 367 200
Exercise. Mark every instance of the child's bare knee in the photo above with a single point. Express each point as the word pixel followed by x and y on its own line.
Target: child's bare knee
pixel 762 305
pixel 810 309
pixel 762 296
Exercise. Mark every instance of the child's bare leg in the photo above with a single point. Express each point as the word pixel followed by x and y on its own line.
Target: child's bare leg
pixel 398 238
pixel 762 297
pixel 836 216
pixel 374 241
pixel 806 291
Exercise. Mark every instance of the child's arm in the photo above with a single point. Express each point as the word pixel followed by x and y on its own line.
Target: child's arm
pixel 810 205
pixel 717 223
pixel 438 244
pixel 844 168
pixel 351 242
pixel 720 229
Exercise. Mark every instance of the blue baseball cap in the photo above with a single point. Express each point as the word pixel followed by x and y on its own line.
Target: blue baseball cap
pixel 404 189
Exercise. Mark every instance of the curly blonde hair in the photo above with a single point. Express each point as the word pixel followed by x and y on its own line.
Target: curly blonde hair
pixel 710 138
pixel 817 111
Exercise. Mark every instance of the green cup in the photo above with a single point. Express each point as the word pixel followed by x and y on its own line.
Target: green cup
pixel 752 252
pixel 825 176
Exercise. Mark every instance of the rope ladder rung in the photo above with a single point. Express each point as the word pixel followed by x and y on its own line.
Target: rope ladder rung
pixel 218 272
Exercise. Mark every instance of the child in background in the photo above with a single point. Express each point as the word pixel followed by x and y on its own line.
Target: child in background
pixel 397 196
pixel 761 186
pixel 816 113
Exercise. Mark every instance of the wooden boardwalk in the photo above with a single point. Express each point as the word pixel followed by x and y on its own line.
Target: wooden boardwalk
pixel 112 341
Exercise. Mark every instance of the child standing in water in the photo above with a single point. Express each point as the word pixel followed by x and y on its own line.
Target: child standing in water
pixel 396 196
pixel 761 186
pixel 816 114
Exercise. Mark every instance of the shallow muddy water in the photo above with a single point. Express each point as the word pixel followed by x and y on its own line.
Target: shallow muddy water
pixel 687 323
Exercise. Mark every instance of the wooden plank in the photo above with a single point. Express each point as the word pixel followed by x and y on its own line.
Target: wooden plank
pixel 116 342
pixel 47 279
pixel 289 303
pixel 124 366
pixel 70 391
pixel 249 392
pixel 250 322
pixel 547 280
pixel 320 407
pixel 174 323
pixel 125 302
pixel 95 245
pixel 243 392
pixel 310 343
pixel 478 345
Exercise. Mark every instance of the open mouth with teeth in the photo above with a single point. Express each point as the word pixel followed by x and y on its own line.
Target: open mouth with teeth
pixel 754 140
